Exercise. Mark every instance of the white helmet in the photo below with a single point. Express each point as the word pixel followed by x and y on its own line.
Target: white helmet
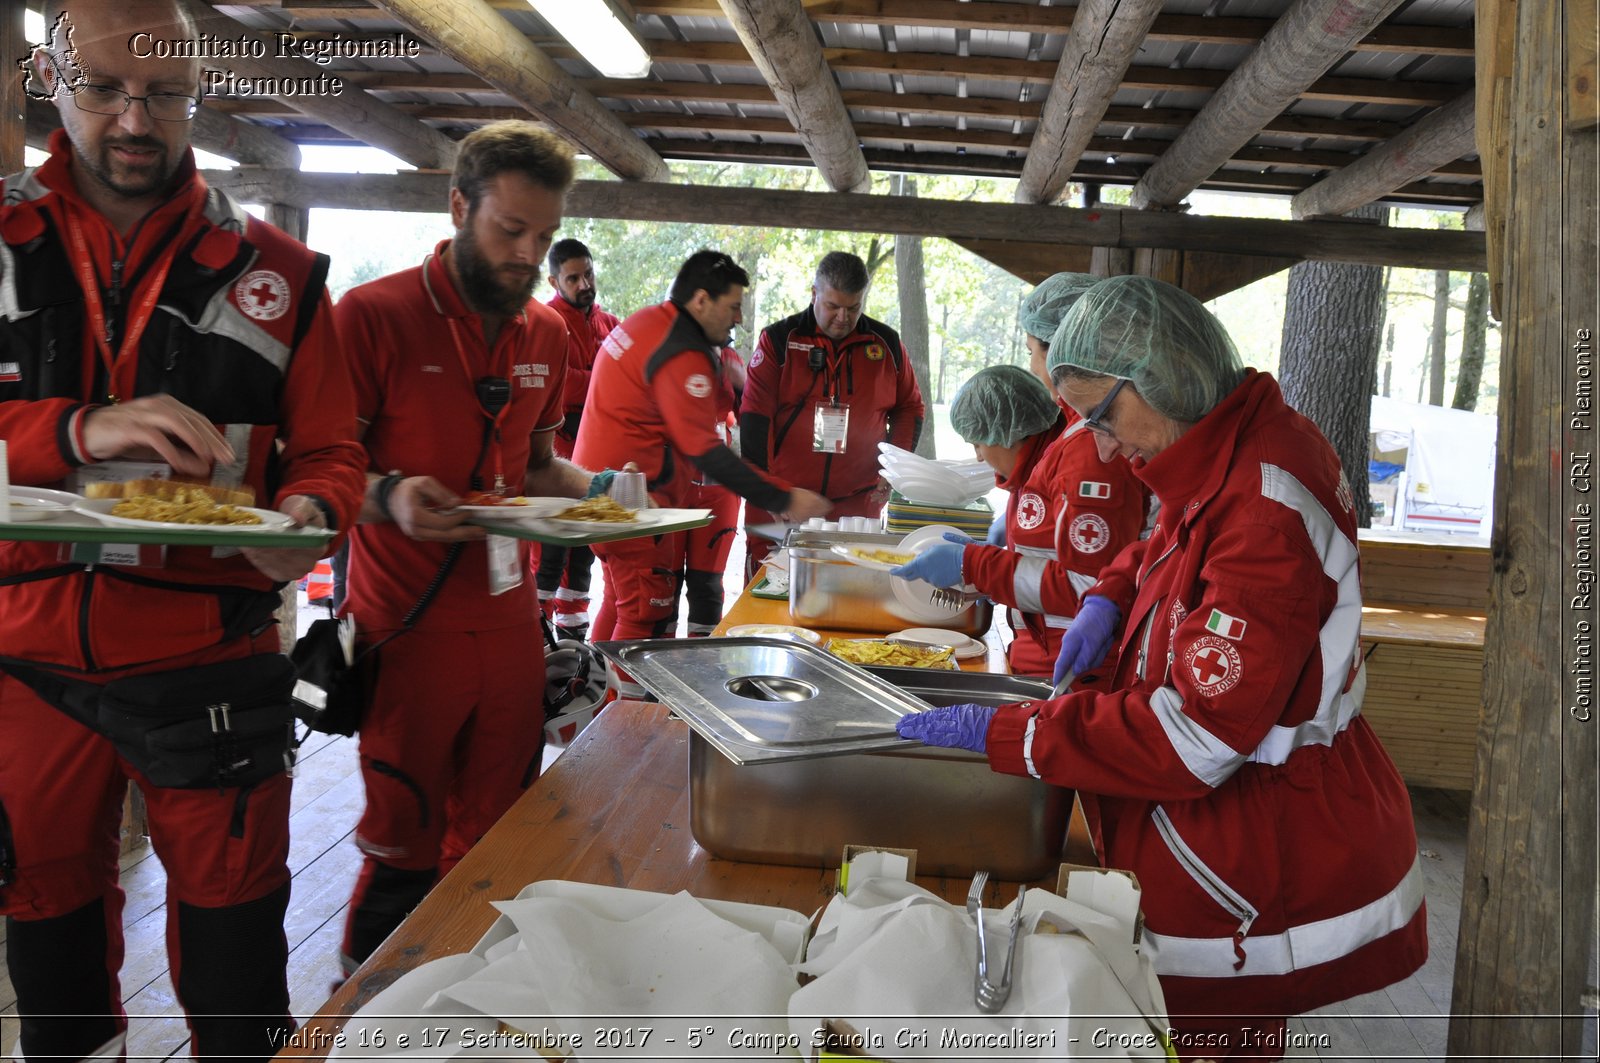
pixel 574 678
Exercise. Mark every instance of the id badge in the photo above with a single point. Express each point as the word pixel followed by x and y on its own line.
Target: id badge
pixel 829 426
pixel 505 563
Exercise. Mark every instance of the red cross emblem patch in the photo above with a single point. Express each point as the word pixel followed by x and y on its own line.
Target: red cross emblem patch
pixel 262 294
pixel 1215 665
pixel 1030 510
pixel 1089 533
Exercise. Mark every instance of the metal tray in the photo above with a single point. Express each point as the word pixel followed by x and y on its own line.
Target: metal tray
pixel 759 699
pixel 826 591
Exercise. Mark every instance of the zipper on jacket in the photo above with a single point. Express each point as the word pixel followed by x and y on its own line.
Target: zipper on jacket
pixel 114 301
pixel 1208 880
pixel 1144 638
pixel 83 617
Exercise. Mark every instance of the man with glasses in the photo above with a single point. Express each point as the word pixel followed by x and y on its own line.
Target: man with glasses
pixel 149 326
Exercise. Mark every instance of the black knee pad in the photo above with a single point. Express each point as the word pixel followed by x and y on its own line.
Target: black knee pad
pixel 58 968
pixel 232 979
pixel 390 896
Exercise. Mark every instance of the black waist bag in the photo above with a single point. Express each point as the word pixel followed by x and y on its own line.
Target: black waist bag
pixel 319 659
pixel 216 725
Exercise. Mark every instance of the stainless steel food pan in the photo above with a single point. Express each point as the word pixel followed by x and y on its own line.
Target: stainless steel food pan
pixel 947 804
pixel 827 591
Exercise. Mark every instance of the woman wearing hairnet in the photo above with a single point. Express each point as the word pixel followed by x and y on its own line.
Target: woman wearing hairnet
pixel 1068 513
pixel 1228 766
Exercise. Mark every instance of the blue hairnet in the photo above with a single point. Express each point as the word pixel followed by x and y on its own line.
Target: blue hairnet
pixel 1001 406
pixel 1157 337
pixel 1047 304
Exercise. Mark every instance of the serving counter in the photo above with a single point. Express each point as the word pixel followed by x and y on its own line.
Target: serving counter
pixel 613 810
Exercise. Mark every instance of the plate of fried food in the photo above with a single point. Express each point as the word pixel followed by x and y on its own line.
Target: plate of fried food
pixel 179 505
pixel 898 653
pixel 589 515
pixel 875 557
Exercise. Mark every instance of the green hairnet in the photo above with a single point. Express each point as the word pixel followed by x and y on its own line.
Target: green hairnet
pixel 1047 304
pixel 1157 337
pixel 1001 406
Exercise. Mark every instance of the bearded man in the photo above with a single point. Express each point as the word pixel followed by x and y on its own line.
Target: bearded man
pixel 458 378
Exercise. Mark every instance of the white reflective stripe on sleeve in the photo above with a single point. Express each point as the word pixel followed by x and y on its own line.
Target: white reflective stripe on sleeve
pixel 1297 948
pixel 1027 747
pixel 1027 582
pixel 1339 640
pixel 1208 758
pixel 1082 581
pixel 1059 623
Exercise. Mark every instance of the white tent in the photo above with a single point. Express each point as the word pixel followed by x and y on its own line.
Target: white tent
pixel 1448 482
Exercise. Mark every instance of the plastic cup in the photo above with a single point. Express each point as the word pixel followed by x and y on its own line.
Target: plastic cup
pixel 629 490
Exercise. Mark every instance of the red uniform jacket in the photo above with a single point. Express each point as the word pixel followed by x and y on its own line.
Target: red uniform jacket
pixel 241 331
pixel 658 378
pixel 794 368
pixel 1068 515
pixel 585 333
pixel 1230 767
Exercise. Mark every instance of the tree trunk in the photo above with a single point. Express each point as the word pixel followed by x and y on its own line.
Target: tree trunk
pixel 1329 360
pixel 1474 334
pixel 914 310
pixel 1436 338
pixel 1388 360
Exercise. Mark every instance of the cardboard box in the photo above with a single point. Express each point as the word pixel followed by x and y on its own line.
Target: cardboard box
pixel 842 880
pixel 1064 875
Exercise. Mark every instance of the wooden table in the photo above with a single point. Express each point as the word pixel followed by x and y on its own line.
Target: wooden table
pixel 614 810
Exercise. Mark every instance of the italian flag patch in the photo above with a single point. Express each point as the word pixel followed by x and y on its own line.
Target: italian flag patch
pixel 1093 489
pixel 1229 627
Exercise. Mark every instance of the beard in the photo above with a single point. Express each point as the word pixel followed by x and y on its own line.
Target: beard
pixel 134 182
pixel 584 300
pixel 502 291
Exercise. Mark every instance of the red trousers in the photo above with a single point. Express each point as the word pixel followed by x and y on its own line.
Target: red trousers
pixel 641 587
pixel 226 857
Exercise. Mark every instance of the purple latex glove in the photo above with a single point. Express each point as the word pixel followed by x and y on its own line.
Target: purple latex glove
pixel 939 565
pixel 997 531
pixel 952 726
pixel 1089 638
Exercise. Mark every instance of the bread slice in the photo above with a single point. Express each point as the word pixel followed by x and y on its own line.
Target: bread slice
pixel 168 489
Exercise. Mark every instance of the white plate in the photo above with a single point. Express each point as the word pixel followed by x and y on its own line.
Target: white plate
pixel 915 597
pixel 964 646
pixel 852 554
pixel 593 527
pixel 39 503
pixel 528 507
pixel 748 630
pixel 100 509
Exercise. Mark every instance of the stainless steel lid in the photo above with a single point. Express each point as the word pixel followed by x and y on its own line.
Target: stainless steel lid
pixel 768 699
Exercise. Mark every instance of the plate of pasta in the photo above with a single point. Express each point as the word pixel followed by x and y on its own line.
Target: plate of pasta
pixel 597 514
pixel 183 513
pixel 874 557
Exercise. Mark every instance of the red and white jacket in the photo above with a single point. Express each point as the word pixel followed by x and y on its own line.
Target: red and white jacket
pixel 239 328
pixel 585 333
pixel 1230 767
pixel 1068 515
pixel 662 382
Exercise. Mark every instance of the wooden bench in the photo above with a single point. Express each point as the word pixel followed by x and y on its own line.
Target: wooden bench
pixel 1425 600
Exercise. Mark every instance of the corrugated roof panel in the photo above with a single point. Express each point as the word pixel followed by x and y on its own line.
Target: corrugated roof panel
pixel 1006 43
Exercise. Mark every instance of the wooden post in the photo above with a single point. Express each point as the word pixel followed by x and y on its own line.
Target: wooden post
pixel 13 110
pixel 1528 897
pixel 292 220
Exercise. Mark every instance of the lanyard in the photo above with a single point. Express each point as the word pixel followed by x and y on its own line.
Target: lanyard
pixel 138 317
pixel 494 419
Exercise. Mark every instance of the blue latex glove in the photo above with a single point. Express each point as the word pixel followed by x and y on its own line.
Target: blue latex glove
pixel 1089 638
pixel 601 483
pixel 963 538
pixel 952 726
pixel 997 531
pixel 940 565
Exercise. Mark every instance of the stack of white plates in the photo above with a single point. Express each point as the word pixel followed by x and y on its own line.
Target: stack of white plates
pixel 942 483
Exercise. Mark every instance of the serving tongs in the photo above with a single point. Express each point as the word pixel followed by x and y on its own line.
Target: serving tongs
pixel 991 996
pixel 953 598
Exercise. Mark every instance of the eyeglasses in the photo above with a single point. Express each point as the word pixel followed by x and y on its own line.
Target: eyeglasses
pixel 1094 420
pixel 162 106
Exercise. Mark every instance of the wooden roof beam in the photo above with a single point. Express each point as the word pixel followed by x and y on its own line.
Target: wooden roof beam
pixel 479 38
pixel 784 46
pixel 353 111
pixel 849 212
pixel 1105 36
pixel 1441 137
pixel 1302 46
